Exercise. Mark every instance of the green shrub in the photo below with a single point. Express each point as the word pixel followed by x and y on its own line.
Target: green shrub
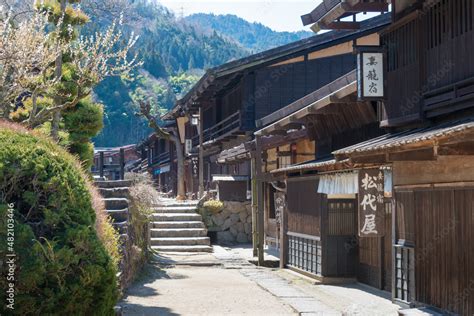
pixel 62 265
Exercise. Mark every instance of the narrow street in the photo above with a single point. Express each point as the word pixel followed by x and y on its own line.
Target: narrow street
pixel 225 283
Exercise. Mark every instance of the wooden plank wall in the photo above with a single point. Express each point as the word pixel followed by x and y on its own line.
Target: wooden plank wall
pixel 443 234
pixel 304 207
pixel 278 86
pixel 375 256
pixel 403 71
pixel 450 41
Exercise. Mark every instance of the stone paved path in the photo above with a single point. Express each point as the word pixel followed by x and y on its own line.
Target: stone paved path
pixel 225 283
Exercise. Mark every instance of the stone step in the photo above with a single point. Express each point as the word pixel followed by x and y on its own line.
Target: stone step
pixel 182 248
pixel 177 204
pixel 118 215
pixel 177 224
pixel 121 227
pixel 168 217
pixel 175 209
pixel 180 241
pixel 113 184
pixel 179 232
pixel 116 203
pixel 114 192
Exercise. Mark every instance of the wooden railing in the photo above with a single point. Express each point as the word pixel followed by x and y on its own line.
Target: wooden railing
pixel 220 129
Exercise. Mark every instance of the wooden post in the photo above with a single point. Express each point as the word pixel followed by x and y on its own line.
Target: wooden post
pixel 122 164
pixel 254 206
pixel 260 210
pixel 201 154
pixel 284 236
pixel 101 164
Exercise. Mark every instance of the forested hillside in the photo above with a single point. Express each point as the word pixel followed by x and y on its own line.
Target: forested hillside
pixel 254 36
pixel 175 53
pixel 174 56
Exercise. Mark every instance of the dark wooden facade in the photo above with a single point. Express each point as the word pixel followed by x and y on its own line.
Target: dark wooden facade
pixel 432 42
pixel 159 159
pixel 429 91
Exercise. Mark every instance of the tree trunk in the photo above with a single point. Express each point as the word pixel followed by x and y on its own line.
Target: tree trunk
pixel 58 74
pixel 181 194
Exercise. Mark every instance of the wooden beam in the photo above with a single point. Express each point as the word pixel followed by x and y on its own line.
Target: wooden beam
pixel 373 159
pixel 458 149
pixel 365 7
pixel 338 25
pixel 278 132
pixel 294 125
pixel 352 98
pixel 425 154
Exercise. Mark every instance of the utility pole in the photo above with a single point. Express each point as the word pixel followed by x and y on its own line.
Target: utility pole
pixel 201 155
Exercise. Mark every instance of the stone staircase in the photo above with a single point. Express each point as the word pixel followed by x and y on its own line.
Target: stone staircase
pixel 115 194
pixel 177 227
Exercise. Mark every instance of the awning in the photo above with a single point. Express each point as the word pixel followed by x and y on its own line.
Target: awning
pixel 236 154
pixel 441 134
pixel 312 103
pixel 318 165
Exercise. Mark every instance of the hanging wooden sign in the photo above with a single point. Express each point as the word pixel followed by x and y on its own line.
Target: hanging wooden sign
pixel 370 73
pixel 371 203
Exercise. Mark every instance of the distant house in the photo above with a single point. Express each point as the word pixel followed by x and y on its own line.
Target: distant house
pixel 159 159
pixel 111 160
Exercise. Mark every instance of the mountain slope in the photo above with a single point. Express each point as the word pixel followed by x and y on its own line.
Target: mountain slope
pixel 175 53
pixel 174 56
pixel 253 36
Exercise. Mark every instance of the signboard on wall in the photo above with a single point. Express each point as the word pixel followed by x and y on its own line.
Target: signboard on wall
pixel 280 204
pixel 371 203
pixel 195 166
pixel 370 73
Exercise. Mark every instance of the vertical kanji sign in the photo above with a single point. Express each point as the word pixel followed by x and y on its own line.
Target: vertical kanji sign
pixel 280 204
pixel 371 203
pixel 370 73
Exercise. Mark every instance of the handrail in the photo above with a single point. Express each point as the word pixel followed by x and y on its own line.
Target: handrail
pixel 220 128
pixel 223 126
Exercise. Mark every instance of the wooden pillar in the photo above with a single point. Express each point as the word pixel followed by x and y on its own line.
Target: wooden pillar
pixel 122 163
pixel 254 206
pixel 260 205
pixel 283 235
pixel 201 154
pixel 101 164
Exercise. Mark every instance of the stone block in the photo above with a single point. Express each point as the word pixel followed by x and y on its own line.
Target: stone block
pixel 248 228
pixel 243 216
pixel 225 237
pixel 240 227
pixel 242 238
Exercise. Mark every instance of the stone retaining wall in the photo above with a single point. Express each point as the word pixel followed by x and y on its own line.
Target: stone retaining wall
pixel 234 223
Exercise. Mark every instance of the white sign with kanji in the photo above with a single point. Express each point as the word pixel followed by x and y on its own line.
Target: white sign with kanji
pixel 372 75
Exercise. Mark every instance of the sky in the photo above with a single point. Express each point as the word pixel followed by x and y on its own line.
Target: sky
pixel 279 15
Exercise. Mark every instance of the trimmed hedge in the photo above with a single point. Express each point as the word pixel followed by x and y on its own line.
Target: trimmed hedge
pixel 62 265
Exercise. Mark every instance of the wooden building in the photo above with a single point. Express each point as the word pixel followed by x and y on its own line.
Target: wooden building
pixel 159 159
pixel 427 113
pixel 229 99
pixel 112 162
pixel 318 227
